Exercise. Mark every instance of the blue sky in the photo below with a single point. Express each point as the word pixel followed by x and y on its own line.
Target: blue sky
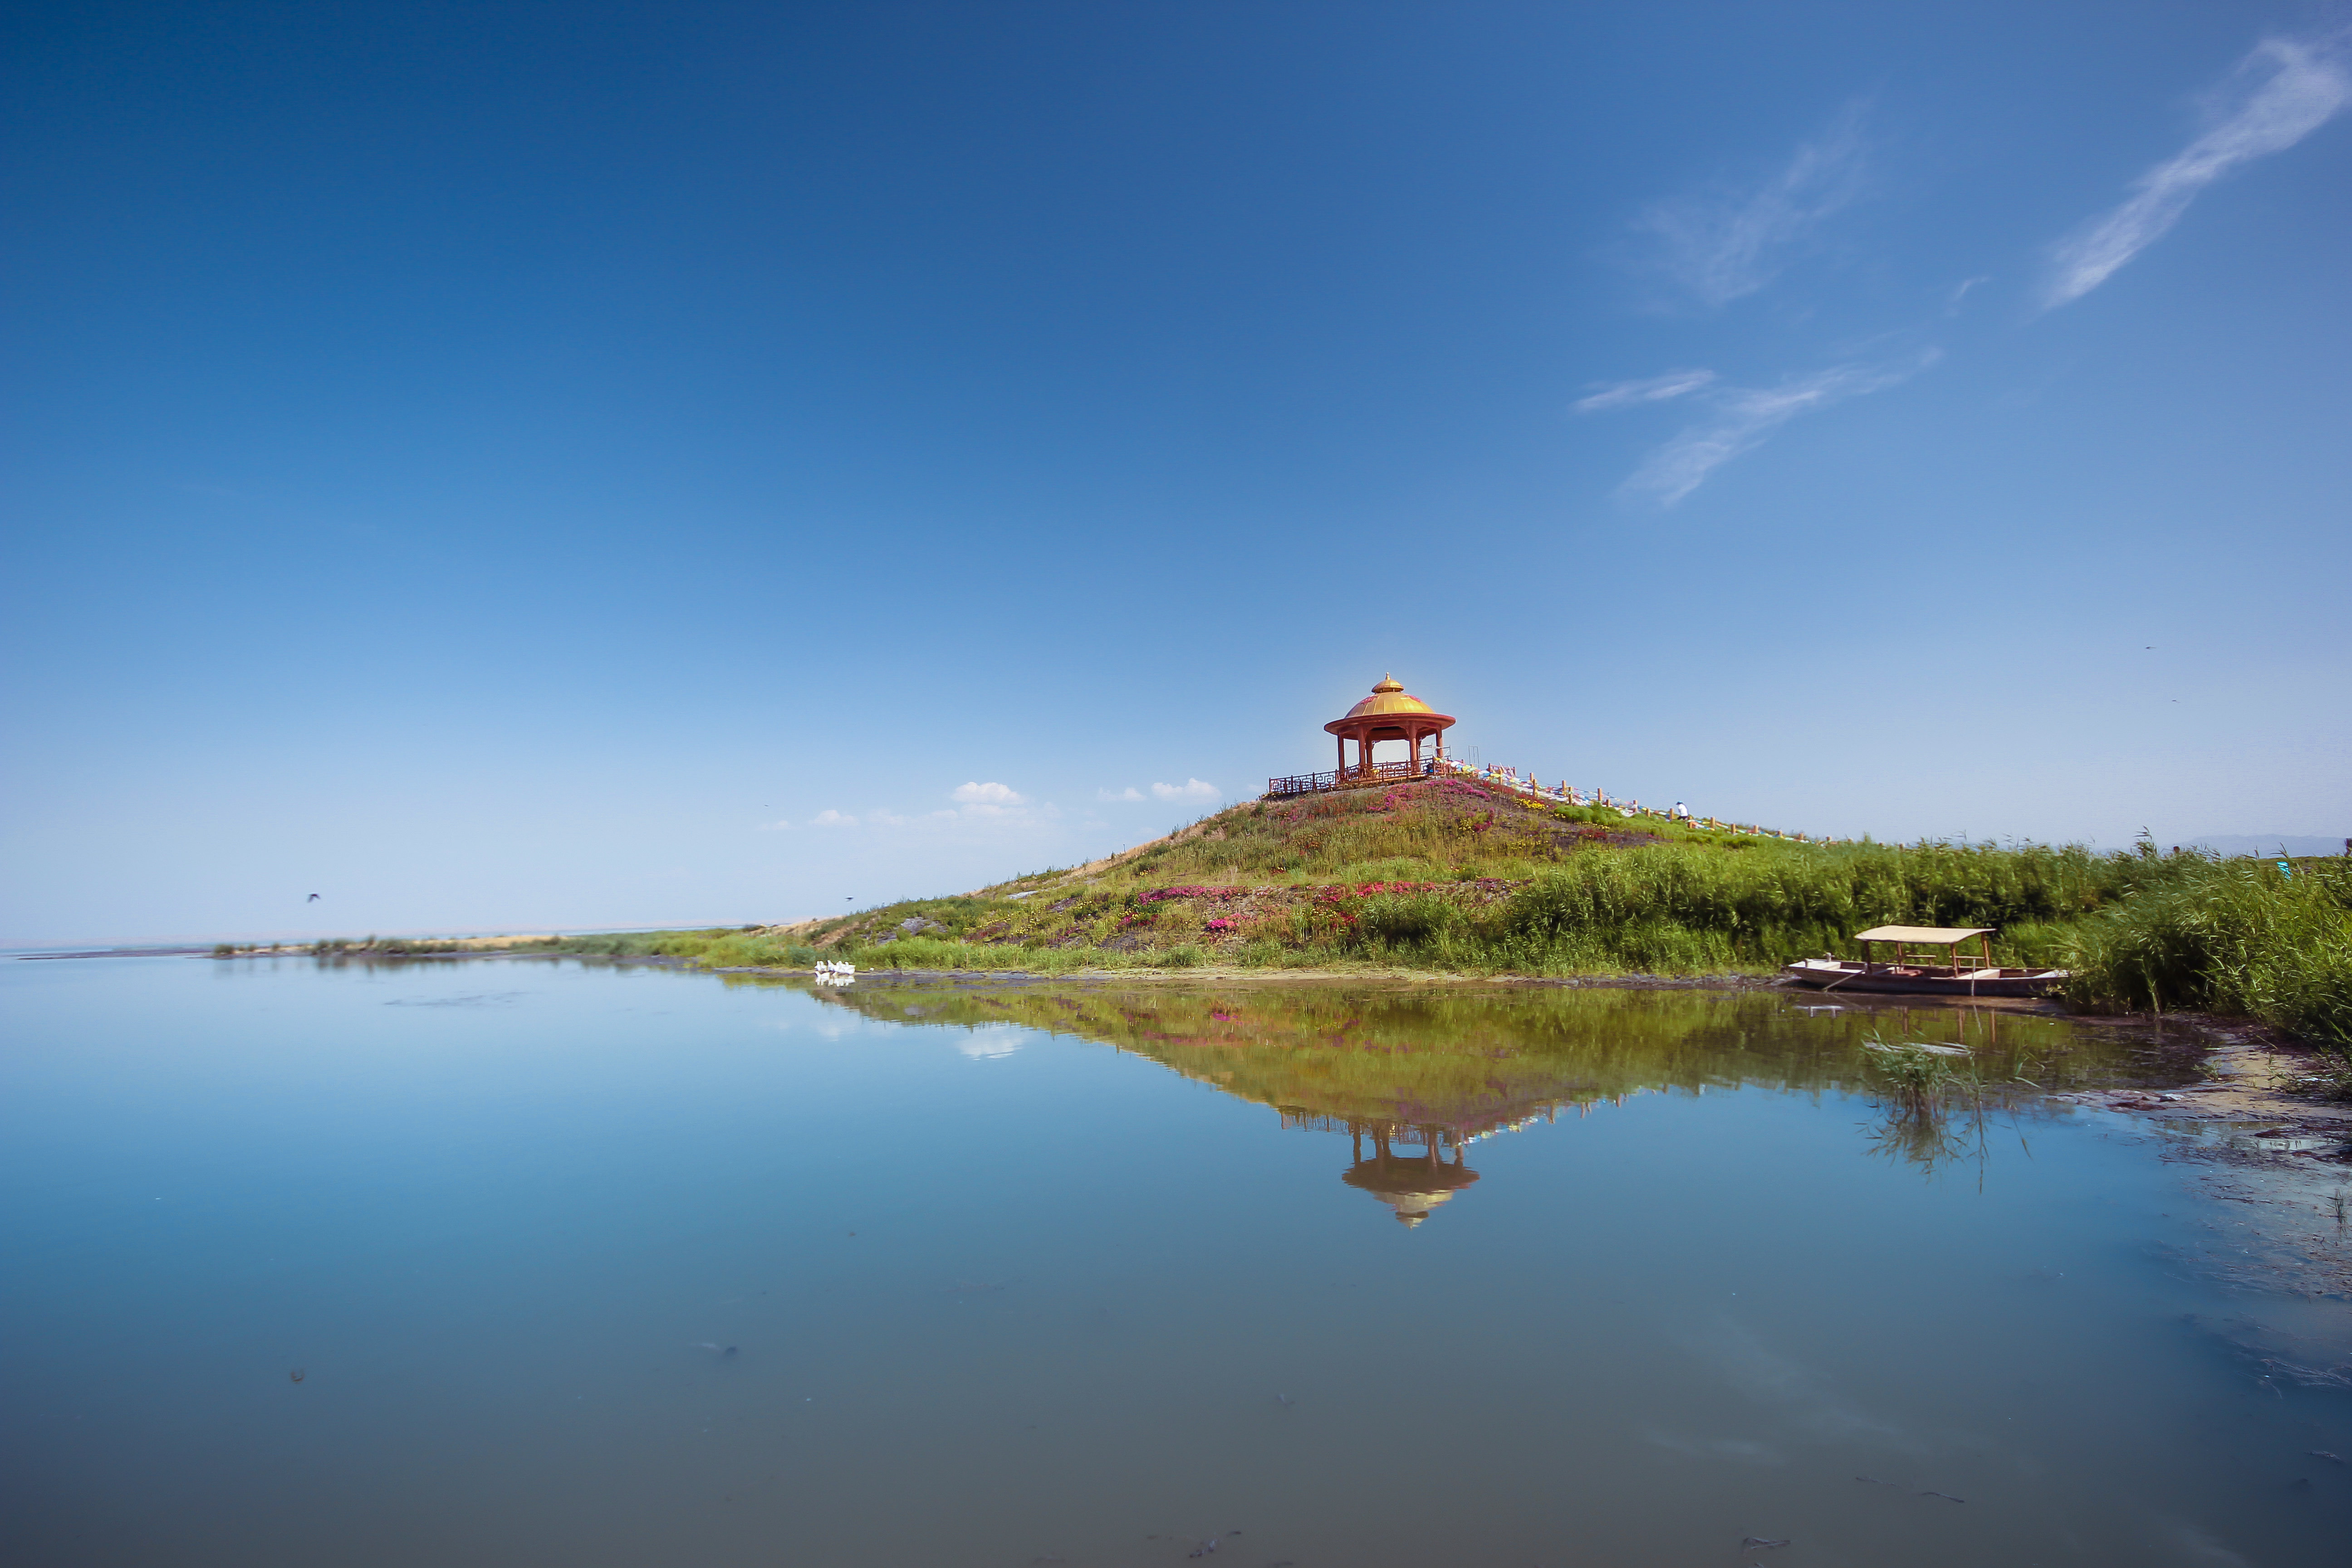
pixel 505 467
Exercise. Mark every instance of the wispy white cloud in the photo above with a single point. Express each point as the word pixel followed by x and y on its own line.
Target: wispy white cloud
pixel 1190 789
pixel 776 826
pixel 988 1044
pixel 1130 792
pixel 2279 94
pixel 1655 389
pixel 987 810
pixel 983 813
pixel 1745 417
pixel 1732 240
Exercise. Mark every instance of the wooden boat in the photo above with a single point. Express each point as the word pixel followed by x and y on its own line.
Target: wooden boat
pixel 1923 974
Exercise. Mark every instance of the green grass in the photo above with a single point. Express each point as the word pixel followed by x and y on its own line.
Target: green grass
pixel 1492 884
pixel 1525 894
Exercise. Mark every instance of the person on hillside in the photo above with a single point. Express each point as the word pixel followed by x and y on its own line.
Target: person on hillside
pixel 1681 813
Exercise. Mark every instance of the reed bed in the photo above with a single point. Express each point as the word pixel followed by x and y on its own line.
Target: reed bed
pixel 2240 937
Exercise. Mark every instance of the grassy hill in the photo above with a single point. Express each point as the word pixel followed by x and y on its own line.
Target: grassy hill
pixel 1453 876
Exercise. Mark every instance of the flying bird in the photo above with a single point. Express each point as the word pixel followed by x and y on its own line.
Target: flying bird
pixel 312 899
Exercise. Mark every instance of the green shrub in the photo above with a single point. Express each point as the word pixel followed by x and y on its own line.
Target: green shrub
pixel 1404 919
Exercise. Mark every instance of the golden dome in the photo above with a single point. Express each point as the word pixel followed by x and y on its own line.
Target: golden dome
pixel 1389 697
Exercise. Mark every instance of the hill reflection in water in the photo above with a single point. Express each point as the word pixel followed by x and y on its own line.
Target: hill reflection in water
pixel 1436 1069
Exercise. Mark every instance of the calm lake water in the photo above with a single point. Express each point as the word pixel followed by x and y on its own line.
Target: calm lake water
pixel 596 1265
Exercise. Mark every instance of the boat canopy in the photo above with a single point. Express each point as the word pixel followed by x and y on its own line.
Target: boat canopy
pixel 1927 936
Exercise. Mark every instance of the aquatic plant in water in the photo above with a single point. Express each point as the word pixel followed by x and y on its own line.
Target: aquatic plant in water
pixel 1920 1083
pixel 1915 1075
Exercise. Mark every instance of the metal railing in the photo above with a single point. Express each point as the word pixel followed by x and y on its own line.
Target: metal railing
pixel 1348 778
pixel 1391 772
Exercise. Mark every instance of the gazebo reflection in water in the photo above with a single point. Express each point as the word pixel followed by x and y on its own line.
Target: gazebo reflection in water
pixel 1415 1181
pixel 1411 1184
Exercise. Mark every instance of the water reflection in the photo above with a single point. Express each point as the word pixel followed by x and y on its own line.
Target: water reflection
pixel 1411 1186
pixel 1437 1070
pixel 1061 1305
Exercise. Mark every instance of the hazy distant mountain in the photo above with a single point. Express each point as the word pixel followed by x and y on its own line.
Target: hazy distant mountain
pixel 2265 843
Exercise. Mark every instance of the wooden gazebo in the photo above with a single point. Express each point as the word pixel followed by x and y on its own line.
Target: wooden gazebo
pixel 1390 713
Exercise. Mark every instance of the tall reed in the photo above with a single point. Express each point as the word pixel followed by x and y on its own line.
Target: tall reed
pixel 2229 936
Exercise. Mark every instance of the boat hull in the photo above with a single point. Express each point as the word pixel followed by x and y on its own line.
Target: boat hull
pixel 1825 974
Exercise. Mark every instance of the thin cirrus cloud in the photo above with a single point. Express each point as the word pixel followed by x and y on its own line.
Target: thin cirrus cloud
pixel 1731 241
pixel 1655 389
pixel 1745 417
pixel 2280 93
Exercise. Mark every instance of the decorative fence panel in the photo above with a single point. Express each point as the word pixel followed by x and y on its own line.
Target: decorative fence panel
pixel 1379 773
